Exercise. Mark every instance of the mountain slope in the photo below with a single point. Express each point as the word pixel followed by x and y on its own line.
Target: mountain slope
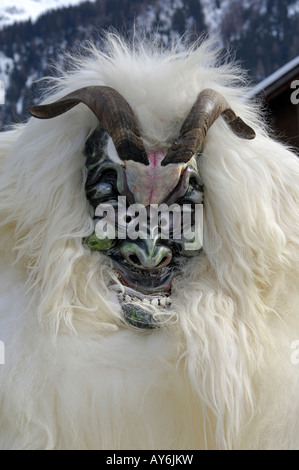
pixel 262 33
pixel 14 11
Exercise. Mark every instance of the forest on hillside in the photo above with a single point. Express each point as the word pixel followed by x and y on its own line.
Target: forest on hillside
pixel 262 39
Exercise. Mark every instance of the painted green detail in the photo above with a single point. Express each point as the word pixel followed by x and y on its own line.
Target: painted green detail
pixel 96 244
pixel 136 316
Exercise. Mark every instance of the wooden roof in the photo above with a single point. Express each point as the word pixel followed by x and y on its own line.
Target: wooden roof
pixel 276 93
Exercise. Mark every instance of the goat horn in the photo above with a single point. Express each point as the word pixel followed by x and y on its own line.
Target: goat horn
pixel 113 112
pixel 207 108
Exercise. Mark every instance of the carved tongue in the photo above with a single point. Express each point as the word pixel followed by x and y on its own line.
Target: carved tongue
pixel 151 184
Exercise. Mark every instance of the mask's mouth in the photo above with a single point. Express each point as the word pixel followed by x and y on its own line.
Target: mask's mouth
pixel 144 293
pixel 146 281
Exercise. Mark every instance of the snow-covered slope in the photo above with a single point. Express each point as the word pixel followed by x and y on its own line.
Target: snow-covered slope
pixel 12 11
pixel 246 27
pixel 6 67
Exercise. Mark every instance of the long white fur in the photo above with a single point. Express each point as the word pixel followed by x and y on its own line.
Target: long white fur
pixel 221 375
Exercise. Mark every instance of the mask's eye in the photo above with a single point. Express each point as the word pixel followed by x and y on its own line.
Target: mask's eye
pixel 196 183
pixel 184 217
pixel 104 190
pixel 194 193
pixel 95 149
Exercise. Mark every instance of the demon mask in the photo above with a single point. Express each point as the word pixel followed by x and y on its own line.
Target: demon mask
pixel 147 204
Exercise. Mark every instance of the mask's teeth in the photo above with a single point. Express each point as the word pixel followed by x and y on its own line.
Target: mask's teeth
pixel 155 302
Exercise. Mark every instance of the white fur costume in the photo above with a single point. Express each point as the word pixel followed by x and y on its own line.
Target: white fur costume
pixel 219 373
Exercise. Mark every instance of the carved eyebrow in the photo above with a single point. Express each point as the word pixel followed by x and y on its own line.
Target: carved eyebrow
pixel 181 188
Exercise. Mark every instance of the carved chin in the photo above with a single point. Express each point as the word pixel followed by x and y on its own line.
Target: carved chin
pixel 145 293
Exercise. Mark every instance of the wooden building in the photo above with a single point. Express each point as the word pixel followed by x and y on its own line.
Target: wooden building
pixel 280 94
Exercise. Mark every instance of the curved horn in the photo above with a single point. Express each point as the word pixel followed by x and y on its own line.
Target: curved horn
pixel 113 112
pixel 207 108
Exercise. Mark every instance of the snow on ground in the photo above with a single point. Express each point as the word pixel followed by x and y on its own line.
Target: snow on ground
pixel 6 67
pixel 12 11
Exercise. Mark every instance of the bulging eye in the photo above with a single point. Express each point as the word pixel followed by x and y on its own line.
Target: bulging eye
pixel 100 192
pixel 192 196
pixel 196 184
pixel 104 188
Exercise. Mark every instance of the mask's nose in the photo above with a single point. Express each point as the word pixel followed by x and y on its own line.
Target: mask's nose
pixel 146 254
pixel 153 183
